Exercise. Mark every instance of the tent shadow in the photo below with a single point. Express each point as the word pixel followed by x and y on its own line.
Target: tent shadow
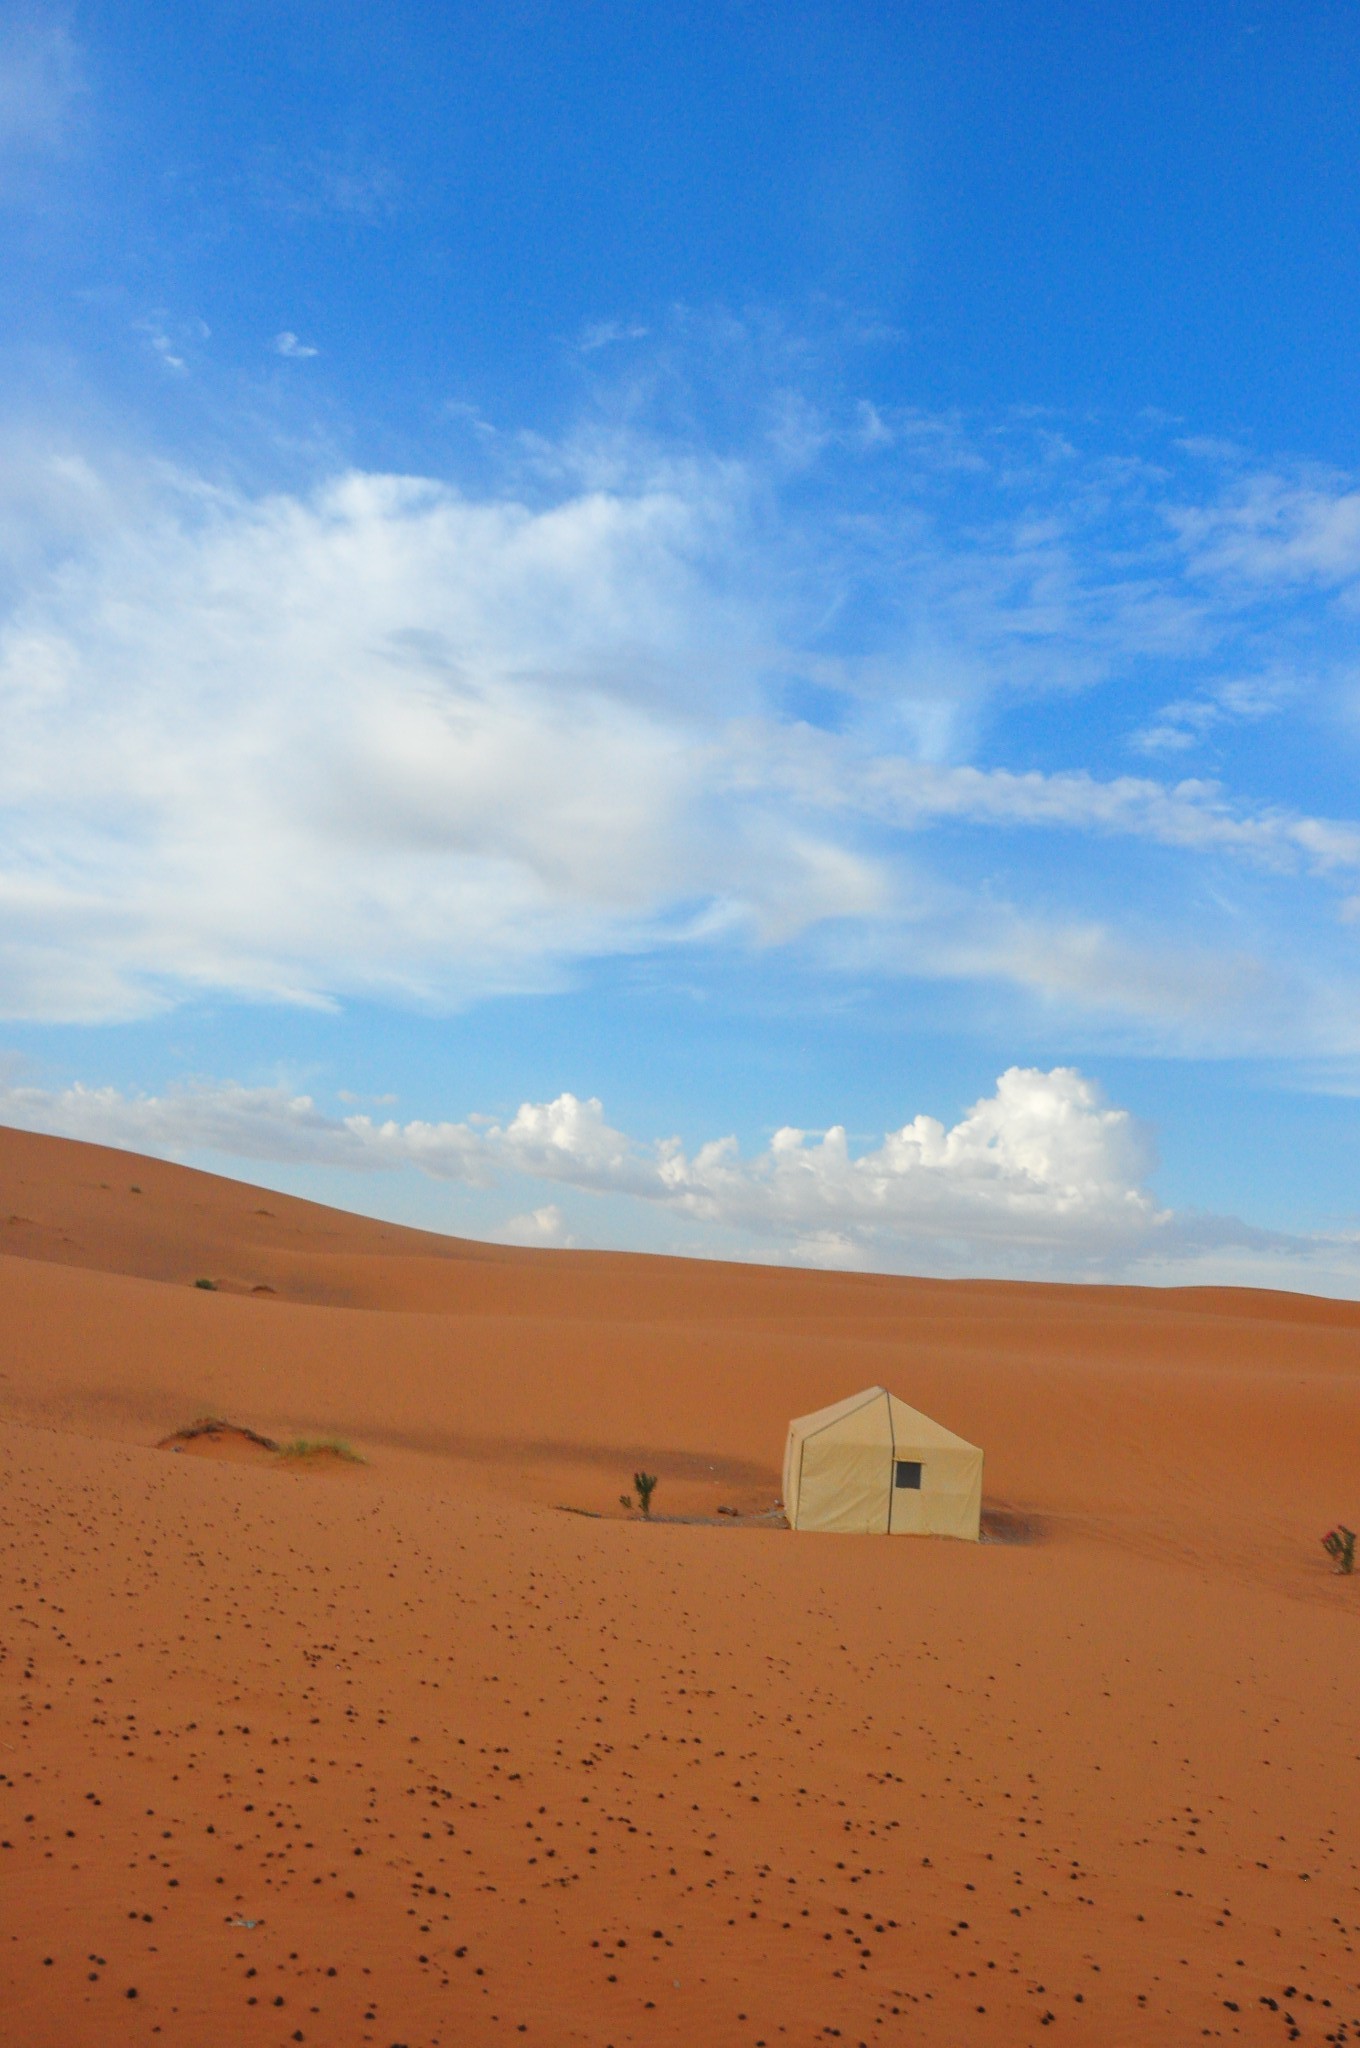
pixel 1002 1524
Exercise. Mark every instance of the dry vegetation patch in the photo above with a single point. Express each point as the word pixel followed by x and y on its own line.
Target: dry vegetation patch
pixel 330 1450
pixel 212 1436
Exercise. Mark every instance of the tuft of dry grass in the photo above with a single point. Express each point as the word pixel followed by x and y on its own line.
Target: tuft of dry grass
pixel 304 1448
pixel 216 1425
pixel 300 1450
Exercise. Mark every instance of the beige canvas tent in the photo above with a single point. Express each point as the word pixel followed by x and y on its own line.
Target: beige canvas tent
pixel 873 1466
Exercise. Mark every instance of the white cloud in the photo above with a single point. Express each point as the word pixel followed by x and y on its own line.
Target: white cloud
pixel 386 738
pixel 607 334
pixel 1237 700
pixel 242 1123
pixel 325 185
pixel 287 344
pixel 382 738
pixel 467 415
pixel 1043 1163
pixel 545 1226
pixel 1043 1177
pixel 172 340
pixel 1193 814
pixel 1276 529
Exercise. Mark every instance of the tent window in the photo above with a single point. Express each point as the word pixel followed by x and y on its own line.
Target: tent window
pixel 909 1473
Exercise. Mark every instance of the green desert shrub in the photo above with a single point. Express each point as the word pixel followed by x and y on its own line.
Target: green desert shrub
pixel 645 1486
pixel 1339 1544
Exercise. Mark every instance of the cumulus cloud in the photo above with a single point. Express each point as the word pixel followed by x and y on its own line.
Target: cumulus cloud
pixel 545 1226
pixel 1042 1148
pixel 1043 1163
pixel 1043 1176
pixel 287 344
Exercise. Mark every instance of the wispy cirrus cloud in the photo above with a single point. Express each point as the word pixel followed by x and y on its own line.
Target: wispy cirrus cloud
pixel 1222 704
pixel 171 340
pixel 325 185
pixel 1191 814
pixel 599 334
pixel 1276 529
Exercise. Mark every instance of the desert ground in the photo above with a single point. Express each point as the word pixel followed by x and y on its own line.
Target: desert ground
pixel 435 1744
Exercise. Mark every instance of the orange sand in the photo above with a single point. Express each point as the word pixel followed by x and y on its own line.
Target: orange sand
pixel 402 1753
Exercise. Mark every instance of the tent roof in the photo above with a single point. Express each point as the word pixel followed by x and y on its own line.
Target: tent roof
pixel 864 1418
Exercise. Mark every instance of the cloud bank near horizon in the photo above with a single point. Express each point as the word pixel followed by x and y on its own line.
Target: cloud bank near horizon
pixel 1043 1178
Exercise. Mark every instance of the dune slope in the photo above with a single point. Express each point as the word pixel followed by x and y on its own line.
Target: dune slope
pixel 407 1752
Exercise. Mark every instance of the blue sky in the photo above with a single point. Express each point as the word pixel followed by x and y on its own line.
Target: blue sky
pixel 707 628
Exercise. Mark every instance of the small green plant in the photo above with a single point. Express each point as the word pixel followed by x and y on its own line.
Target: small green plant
pixel 211 1285
pixel 626 1503
pixel 1339 1544
pixel 645 1484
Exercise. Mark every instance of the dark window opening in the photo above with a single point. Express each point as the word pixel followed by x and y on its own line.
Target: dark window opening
pixel 909 1473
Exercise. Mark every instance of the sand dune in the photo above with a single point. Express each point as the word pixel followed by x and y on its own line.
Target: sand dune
pixel 398 1752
